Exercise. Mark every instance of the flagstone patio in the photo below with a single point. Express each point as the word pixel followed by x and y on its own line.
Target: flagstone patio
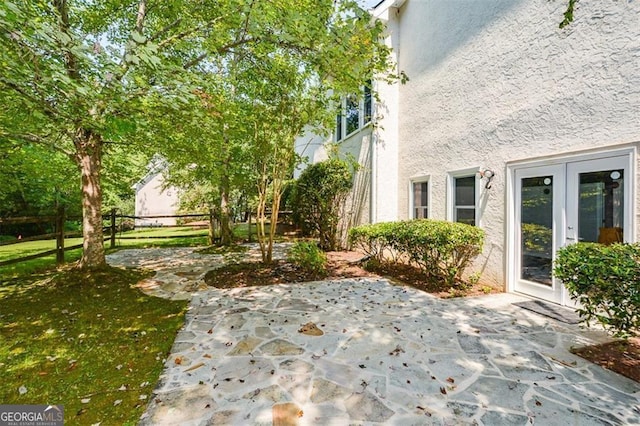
pixel 386 354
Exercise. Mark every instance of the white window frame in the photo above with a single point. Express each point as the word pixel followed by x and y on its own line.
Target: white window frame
pixel 361 115
pixel 451 192
pixel 412 207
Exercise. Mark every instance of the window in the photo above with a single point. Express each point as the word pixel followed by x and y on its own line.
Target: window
pixel 352 113
pixel 368 103
pixel 464 203
pixel 420 200
pixel 355 113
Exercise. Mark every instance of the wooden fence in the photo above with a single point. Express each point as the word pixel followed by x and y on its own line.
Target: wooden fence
pixel 110 231
pixel 58 221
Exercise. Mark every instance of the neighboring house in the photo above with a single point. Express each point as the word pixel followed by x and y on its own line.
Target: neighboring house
pixel 497 88
pixel 152 199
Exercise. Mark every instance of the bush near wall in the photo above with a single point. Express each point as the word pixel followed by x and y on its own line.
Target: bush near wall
pixel 442 249
pixel 605 280
pixel 320 193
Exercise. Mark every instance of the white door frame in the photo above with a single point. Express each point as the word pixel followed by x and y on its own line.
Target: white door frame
pixel 511 240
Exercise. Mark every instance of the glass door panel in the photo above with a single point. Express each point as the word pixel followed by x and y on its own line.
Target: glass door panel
pixel 536 229
pixel 539 226
pixel 601 206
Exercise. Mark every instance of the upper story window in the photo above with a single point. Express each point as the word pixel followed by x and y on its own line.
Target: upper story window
pixel 355 113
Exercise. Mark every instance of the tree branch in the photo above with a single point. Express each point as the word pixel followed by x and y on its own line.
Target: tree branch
pixel 48 109
pixel 40 140
pixel 142 13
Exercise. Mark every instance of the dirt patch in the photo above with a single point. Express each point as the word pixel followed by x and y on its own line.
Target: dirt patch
pixel 248 274
pixel 623 357
pixel 414 277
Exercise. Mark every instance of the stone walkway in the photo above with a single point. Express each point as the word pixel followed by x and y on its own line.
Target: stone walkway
pixel 387 355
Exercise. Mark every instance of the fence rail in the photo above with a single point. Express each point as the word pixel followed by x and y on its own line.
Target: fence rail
pixel 59 234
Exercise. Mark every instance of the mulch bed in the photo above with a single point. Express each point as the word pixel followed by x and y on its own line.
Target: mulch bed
pixel 623 357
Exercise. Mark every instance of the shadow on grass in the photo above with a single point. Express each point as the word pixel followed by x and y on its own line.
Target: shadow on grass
pixel 89 341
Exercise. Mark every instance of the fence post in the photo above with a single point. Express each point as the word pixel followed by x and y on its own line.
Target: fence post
pixel 211 228
pixel 113 228
pixel 60 236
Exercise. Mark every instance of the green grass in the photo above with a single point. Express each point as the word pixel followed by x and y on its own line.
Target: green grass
pixel 14 251
pixel 155 237
pixel 69 336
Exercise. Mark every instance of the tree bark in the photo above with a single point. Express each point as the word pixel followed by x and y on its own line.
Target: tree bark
pixel 89 160
pixel 225 189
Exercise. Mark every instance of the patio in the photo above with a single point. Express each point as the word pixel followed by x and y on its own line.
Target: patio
pixel 387 354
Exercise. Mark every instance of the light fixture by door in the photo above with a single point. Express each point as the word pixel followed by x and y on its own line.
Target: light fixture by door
pixel 487 174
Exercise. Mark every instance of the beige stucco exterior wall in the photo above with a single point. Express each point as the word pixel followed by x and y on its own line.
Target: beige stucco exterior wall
pixel 152 200
pixel 495 81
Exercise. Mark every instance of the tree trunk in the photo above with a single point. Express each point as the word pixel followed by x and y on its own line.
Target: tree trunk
pixel 225 215
pixel 89 159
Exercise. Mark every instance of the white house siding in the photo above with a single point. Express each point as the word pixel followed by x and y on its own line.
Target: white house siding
pixel 152 200
pixel 495 81
pixel 357 147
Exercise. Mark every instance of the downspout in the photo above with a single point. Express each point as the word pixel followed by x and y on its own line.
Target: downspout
pixel 373 216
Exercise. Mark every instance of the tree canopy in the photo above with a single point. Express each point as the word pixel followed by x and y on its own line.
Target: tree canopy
pixel 89 79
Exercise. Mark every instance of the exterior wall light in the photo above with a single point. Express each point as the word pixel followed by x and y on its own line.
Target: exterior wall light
pixel 487 174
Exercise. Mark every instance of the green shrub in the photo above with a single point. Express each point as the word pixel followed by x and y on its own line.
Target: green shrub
pixel 320 193
pixel 605 280
pixel 441 249
pixel 373 239
pixel 308 256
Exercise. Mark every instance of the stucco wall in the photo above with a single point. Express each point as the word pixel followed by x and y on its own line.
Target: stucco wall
pixel 494 81
pixel 151 200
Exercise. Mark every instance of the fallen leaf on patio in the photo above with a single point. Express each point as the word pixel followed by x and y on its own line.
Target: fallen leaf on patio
pixel 206 356
pixel 194 367
pixel 310 329
pixel 178 360
pixel 300 413
pixel 22 390
pixel 443 390
pixel 538 403
pixel 450 380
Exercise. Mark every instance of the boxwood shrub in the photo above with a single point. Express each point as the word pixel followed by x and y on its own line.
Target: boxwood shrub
pixel 440 248
pixel 605 280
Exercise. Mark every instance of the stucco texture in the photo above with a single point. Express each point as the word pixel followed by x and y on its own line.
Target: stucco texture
pixel 495 81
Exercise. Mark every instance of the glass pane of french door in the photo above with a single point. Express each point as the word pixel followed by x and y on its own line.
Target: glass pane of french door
pixel 601 206
pixel 536 229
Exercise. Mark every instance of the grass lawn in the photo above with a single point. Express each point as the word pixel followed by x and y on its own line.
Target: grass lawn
pixel 89 342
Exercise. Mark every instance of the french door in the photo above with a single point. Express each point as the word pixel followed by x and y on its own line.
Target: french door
pixel 562 204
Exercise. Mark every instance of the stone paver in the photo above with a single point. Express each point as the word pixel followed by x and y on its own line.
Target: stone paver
pixel 388 355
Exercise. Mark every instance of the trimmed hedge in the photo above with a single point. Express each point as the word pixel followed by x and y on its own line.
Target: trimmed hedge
pixel 605 280
pixel 440 248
